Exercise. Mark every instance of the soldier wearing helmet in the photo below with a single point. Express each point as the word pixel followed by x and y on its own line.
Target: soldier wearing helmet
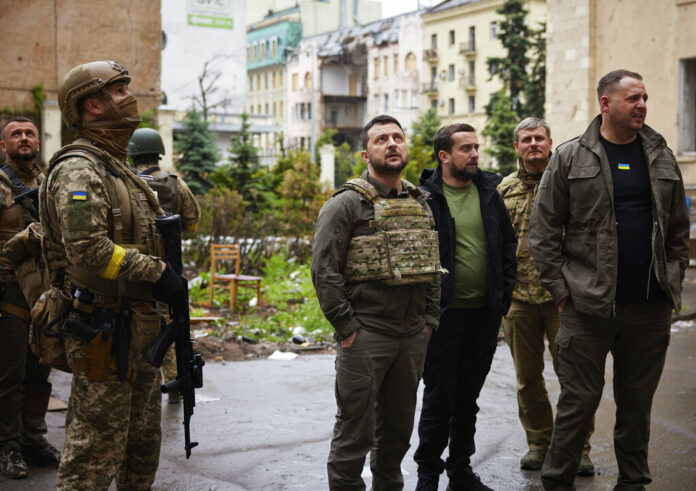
pixel 103 253
pixel 145 148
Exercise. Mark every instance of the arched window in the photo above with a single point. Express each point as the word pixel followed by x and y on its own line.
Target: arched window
pixel 308 80
pixel 411 62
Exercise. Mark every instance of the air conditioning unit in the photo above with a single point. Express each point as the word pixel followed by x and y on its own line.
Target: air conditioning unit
pixel 443 75
pixel 460 71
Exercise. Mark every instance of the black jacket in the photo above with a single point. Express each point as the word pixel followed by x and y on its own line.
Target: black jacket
pixel 501 243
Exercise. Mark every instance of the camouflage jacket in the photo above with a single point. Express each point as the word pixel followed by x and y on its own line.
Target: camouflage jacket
pixel 77 217
pixel 398 310
pixel 518 191
pixel 186 204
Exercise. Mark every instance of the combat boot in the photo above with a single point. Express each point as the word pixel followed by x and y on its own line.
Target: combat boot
pixel 12 464
pixel 41 455
pixel 467 482
pixel 533 460
pixel 586 467
pixel 426 485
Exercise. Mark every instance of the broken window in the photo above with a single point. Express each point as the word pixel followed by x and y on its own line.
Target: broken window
pixel 376 68
pixel 308 80
pixel 450 72
pixel 451 106
pixel 472 104
pixel 411 62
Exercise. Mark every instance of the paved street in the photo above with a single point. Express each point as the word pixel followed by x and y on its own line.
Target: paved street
pixel 266 425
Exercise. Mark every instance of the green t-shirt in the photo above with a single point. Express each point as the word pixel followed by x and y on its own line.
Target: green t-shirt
pixel 470 286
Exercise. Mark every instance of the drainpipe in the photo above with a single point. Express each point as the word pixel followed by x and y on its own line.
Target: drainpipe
pixel 342 14
pixel 356 20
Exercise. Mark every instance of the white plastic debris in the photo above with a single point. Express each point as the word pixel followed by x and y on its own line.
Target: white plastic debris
pixel 679 325
pixel 195 282
pixel 253 302
pixel 282 355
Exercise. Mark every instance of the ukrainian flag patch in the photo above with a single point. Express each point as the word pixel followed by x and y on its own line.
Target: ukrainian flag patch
pixel 79 195
pixel 623 166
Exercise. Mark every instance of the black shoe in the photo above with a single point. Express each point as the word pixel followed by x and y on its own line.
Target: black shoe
pixel 426 485
pixel 12 464
pixel 43 456
pixel 467 482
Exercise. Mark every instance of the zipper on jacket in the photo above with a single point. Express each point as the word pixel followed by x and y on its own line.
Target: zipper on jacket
pixel 613 310
pixel 652 260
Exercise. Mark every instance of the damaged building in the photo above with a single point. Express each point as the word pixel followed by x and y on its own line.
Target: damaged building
pixel 343 78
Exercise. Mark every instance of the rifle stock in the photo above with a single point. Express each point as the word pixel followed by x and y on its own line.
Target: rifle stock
pixel 189 364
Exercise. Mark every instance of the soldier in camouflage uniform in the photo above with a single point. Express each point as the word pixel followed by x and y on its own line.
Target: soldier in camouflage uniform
pixel 382 316
pixel 102 251
pixel 533 312
pixel 24 386
pixel 145 148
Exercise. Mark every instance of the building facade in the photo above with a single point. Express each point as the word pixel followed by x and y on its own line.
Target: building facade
pixel 459 37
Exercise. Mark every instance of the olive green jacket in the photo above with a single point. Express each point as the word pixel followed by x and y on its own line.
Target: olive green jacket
pixel 573 226
pixel 399 310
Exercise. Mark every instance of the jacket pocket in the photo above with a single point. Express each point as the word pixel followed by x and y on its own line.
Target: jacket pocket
pixel 586 192
pixel 666 177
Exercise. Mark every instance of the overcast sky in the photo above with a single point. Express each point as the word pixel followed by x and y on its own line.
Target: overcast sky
pixel 396 7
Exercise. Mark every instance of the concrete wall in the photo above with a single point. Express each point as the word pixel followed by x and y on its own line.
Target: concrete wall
pixel 588 38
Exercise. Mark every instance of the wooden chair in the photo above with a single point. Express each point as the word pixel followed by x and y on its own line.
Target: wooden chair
pixel 229 254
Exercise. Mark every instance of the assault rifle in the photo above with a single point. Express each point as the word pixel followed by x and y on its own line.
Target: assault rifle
pixel 189 365
pixel 29 200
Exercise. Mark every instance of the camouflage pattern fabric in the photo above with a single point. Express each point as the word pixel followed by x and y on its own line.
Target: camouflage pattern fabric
pixel 518 191
pixel 83 224
pixel 112 427
pixel 113 430
pixel 185 204
pixel 403 249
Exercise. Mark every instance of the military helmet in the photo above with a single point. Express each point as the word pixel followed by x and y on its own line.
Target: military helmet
pixel 145 141
pixel 84 80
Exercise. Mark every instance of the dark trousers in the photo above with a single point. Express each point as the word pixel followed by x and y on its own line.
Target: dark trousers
pixel 637 339
pixel 24 387
pixel 376 384
pixel 456 365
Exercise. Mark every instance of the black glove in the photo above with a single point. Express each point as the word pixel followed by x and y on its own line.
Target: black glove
pixel 170 288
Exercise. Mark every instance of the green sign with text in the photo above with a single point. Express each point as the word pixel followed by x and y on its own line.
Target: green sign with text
pixel 210 21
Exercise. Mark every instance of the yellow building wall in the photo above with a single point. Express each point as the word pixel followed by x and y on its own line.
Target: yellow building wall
pixel 460 19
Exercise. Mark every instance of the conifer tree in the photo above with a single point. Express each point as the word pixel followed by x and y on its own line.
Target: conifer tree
pixel 501 128
pixel 420 151
pixel 197 152
pixel 535 85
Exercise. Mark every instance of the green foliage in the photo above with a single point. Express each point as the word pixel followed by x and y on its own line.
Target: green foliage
pixel 197 152
pixel 420 152
pixel 148 119
pixel 500 127
pixel 39 97
pixel 301 196
pixel 345 162
pixel 535 85
pixel 514 36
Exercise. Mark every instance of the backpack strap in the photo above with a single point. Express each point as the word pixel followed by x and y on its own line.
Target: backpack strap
pixel 17 184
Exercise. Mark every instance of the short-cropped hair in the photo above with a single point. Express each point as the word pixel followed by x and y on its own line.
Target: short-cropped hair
pixel 613 78
pixel 381 119
pixel 530 124
pixel 443 138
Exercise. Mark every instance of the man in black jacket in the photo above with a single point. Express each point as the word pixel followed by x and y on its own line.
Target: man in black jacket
pixel 477 247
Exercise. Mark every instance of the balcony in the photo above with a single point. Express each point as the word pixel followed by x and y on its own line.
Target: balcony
pixel 430 88
pixel 467 83
pixel 430 55
pixel 467 49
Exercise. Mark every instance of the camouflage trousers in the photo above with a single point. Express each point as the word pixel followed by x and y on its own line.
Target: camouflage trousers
pixel 113 430
pixel 169 365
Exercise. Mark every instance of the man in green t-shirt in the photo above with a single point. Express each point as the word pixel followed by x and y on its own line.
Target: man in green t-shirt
pixel 477 248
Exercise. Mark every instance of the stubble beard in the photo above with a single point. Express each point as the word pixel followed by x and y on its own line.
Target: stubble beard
pixel 385 169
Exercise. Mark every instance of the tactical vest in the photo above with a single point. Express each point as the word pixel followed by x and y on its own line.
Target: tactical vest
pixel 13 218
pixel 131 223
pixel 165 187
pixel 403 248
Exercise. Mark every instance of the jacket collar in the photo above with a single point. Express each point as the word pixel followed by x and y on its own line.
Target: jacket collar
pixel 651 139
pixel 527 177
pixel 431 180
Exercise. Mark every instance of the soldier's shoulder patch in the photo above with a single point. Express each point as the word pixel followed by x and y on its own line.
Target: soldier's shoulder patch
pixel 79 195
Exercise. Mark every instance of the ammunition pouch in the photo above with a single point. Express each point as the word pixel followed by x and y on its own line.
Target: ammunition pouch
pixel 46 329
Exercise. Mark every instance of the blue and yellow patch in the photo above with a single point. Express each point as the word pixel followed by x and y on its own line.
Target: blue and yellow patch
pixel 79 195
pixel 623 166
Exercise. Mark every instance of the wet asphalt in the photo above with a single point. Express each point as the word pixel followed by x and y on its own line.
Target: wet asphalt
pixel 266 425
